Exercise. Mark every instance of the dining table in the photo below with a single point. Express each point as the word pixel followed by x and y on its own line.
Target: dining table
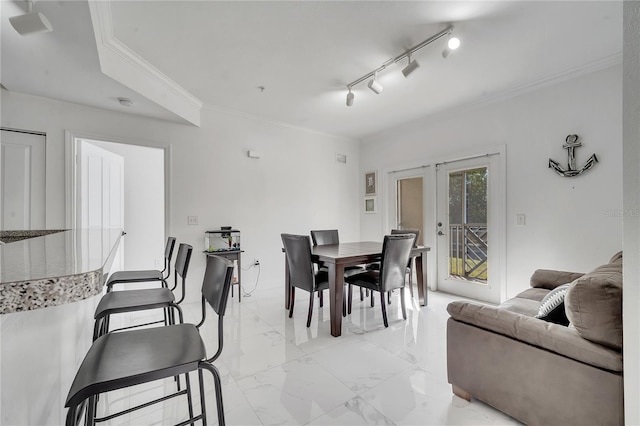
pixel 338 256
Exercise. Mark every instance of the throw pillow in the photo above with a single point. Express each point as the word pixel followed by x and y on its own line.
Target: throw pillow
pixel 552 306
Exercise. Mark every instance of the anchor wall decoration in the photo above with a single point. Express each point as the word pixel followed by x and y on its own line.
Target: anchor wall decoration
pixel 570 145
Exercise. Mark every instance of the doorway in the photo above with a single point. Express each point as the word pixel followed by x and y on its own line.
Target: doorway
pixel 470 227
pixel 143 205
pixel 410 204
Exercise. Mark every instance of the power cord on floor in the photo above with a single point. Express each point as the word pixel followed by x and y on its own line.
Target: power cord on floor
pixel 248 293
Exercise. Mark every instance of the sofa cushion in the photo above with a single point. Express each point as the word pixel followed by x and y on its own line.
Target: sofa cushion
pixel 550 279
pixel 552 306
pixel 536 294
pixel 521 305
pixel 593 304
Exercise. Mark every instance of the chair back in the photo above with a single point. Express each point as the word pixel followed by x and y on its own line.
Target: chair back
pixel 182 260
pixel 168 248
pixel 325 237
pixel 298 251
pixel 408 231
pixel 396 250
pixel 217 282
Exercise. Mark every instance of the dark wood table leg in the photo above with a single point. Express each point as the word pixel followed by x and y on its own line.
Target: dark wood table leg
pixel 421 278
pixel 336 289
pixel 287 284
pixel 239 257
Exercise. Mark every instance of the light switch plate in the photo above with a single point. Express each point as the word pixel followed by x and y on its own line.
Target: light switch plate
pixel 521 219
pixel 192 220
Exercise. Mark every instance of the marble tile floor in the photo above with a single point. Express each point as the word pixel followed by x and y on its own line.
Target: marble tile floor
pixel 276 371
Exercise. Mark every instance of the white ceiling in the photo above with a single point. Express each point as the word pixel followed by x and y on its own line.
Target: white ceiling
pixel 305 53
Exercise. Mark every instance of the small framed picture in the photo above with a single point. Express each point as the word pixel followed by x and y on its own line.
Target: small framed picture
pixel 370 182
pixel 369 204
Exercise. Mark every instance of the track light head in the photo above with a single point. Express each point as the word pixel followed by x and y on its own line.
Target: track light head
pixel 31 22
pixel 350 97
pixel 452 44
pixel 374 85
pixel 411 67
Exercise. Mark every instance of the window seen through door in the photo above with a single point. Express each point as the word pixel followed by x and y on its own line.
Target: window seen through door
pixel 468 224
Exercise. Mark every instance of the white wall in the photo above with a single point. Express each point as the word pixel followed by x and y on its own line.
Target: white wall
pixel 296 185
pixel 572 223
pixel 631 299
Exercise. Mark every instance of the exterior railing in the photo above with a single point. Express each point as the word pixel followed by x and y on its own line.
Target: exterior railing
pixel 468 251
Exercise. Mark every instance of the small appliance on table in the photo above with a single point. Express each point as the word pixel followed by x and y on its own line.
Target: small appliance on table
pixel 225 242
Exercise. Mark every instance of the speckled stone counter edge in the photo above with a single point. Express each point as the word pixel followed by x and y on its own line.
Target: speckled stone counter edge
pixel 29 295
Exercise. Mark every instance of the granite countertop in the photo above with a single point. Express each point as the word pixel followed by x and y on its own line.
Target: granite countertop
pixel 55 268
pixel 13 236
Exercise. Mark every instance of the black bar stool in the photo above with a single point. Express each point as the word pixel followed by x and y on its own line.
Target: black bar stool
pixel 139 276
pixel 128 358
pixel 117 302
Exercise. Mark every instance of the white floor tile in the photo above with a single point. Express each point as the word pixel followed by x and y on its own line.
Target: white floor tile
pixel 276 371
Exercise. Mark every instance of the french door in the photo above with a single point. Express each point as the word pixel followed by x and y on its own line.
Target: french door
pixel 470 227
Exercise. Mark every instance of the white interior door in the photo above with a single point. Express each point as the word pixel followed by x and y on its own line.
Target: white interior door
pixel 100 187
pixel 470 227
pixel 100 197
pixel 22 180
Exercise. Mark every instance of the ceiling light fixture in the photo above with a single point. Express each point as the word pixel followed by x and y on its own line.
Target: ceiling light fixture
pixel 374 85
pixel 125 102
pixel 31 22
pixel 412 66
pixel 452 44
pixel 350 97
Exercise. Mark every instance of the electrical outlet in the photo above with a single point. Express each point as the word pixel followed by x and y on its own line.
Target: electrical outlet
pixel 192 220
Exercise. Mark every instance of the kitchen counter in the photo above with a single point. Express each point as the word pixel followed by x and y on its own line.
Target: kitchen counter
pixel 55 269
pixel 50 286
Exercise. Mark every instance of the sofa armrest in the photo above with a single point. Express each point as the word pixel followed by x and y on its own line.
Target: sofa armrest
pixel 550 279
pixel 556 338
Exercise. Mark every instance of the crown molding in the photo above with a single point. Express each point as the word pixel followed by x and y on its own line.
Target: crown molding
pixel 128 68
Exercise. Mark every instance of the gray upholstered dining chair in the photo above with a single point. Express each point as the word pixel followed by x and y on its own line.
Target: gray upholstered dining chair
pixel 128 358
pixel 396 251
pixel 410 268
pixel 302 273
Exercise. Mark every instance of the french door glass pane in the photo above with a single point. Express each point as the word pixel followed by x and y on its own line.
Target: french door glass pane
pixel 410 205
pixel 468 233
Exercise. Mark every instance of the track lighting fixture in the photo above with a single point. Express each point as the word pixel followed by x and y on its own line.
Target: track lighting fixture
pixel 374 85
pixel 31 22
pixel 411 67
pixel 350 97
pixel 453 43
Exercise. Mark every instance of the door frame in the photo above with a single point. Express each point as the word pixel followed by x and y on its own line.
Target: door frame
pixel 493 160
pixel 430 207
pixel 71 152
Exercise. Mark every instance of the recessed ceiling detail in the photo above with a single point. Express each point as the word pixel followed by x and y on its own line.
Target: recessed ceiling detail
pixel 130 69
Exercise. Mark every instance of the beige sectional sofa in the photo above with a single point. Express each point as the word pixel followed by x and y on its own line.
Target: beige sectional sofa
pixel 542 372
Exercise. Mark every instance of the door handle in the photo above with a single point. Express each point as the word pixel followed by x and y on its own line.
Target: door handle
pixel 440 233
